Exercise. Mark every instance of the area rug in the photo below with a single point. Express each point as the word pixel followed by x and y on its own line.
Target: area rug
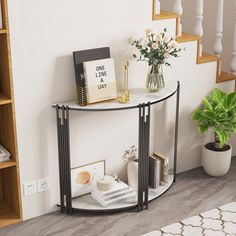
pixel 216 222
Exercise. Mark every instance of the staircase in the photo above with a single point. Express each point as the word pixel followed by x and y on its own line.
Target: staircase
pixel 202 58
pixel 198 72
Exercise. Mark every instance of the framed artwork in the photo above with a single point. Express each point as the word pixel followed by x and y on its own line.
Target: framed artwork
pixel 84 178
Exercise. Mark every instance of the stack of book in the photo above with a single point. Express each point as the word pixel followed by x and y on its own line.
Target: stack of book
pixel 158 170
pixel 119 192
pixel 4 154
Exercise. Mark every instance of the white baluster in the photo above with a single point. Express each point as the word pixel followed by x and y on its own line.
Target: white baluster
pixel 157 6
pixel 219 32
pixel 233 61
pixel 179 10
pixel 198 30
pixel 219 28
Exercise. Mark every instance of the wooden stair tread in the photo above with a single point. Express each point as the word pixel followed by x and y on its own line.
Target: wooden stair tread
pixel 7 164
pixel 187 38
pixel 206 58
pixel 224 77
pixel 166 15
pixel 4 99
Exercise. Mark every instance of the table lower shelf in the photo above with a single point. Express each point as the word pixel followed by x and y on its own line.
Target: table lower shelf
pixel 87 203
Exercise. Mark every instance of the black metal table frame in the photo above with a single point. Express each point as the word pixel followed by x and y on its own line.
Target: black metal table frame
pixel 63 134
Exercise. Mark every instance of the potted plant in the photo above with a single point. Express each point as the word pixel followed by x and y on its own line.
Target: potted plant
pixel 217 112
pixel 156 50
pixel 131 156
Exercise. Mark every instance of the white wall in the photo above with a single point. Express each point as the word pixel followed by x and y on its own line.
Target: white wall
pixel 43 36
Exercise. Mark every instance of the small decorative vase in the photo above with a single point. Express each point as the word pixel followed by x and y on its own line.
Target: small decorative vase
pixel 132 172
pixel 155 79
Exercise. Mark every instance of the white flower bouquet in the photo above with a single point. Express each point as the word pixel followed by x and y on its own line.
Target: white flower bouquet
pixel 156 49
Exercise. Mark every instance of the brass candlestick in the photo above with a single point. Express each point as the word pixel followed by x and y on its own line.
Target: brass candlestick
pixel 126 96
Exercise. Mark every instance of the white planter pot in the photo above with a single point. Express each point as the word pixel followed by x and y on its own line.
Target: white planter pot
pixel 216 163
pixel 132 172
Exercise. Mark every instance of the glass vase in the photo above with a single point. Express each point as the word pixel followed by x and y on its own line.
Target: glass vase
pixel 155 79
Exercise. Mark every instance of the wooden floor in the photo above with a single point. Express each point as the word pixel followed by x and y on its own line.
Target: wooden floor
pixel 193 193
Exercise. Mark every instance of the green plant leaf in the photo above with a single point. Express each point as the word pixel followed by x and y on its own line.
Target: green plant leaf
pixel 218 111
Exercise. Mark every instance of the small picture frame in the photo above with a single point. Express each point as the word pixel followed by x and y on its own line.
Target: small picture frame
pixel 84 178
pixel 100 80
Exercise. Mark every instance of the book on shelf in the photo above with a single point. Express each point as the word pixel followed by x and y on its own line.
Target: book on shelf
pixel 117 187
pixel 114 200
pixel 154 171
pixel 119 192
pixel 79 58
pixel 164 170
pixel 4 154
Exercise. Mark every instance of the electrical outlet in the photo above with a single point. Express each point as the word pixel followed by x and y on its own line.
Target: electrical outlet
pixel 43 185
pixel 30 188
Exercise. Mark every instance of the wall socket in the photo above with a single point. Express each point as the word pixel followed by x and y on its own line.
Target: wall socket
pixel 43 185
pixel 30 188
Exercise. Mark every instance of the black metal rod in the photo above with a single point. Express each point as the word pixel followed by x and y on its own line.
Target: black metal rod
pixel 139 159
pixel 62 161
pixel 147 153
pixel 144 153
pixel 140 190
pixel 59 158
pixel 176 130
pixel 65 159
pixel 63 155
pixel 68 160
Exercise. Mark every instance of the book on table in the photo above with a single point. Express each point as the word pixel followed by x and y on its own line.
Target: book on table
pixel 154 171
pixel 119 192
pixel 164 167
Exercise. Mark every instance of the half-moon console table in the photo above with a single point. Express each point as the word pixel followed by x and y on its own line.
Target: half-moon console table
pixel 141 101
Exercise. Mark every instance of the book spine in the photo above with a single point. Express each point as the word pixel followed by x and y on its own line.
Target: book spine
pixel 99 200
pixel 158 167
pixel 151 172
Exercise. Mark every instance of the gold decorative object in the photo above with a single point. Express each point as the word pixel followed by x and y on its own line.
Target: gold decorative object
pixel 126 96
